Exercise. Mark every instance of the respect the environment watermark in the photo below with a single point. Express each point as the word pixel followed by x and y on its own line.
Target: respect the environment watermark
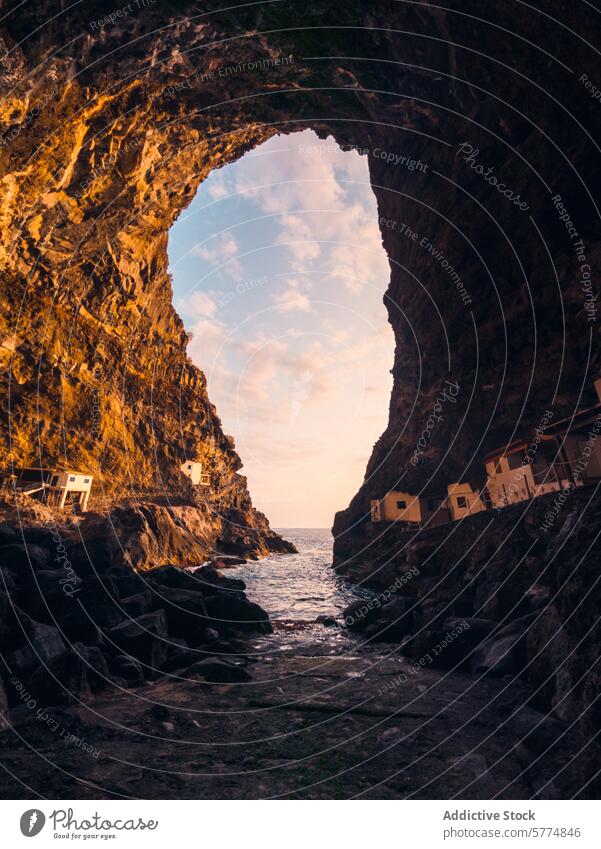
pixel 427 245
pixel 225 71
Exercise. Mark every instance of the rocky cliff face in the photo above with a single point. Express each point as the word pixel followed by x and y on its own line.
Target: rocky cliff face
pixel 105 140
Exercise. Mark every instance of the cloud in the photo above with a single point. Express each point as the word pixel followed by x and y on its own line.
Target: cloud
pixel 221 252
pixel 326 205
pixel 221 248
pixel 299 373
pixel 291 299
pixel 200 305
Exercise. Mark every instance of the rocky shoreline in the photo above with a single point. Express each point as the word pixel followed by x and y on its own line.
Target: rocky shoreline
pixel 77 618
pixel 451 680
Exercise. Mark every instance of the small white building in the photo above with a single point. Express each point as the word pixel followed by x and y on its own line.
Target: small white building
pixel 61 489
pixel 463 501
pixel 565 452
pixel 396 506
pixel 510 479
pixel 193 470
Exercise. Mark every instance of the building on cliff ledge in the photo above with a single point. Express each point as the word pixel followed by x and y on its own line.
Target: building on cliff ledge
pixel 463 501
pixel 396 507
pixel 564 454
pixel 460 501
pixel 193 470
pixel 560 455
pixel 65 490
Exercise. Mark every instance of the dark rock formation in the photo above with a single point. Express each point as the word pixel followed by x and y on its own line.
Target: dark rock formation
pixel 114 627
pixel 498 594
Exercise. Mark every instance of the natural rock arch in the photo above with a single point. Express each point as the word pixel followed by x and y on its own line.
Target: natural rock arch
pixel 108 129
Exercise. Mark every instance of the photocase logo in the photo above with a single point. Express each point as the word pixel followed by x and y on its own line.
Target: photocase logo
pixel 32 822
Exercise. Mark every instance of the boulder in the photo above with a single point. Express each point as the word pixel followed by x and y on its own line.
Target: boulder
pixel 326 621
pixel 7 620
pixel 218 671
pixel 180 655
pixel 172 576
pixel 361 613
pixel 48 594
pixel 444 649
pixel 63 680
pixel 126 667
pixel 226 561
pixel 44 643
pixel 91 557
pixel 181 658
pixel 382 618
pixel 77 626
pixel 126 581
pixel 397 619
pixel 8 581
pixel 185 612
pixel 138 604
pixel 98 590
pixel 103 616
pixel 226 647
pixel 478 629
pixel 504 653
pixel 211 580
pixel 234 612
pixel 7 534
pixel 98 671
pixel 144 639
pixel 22 558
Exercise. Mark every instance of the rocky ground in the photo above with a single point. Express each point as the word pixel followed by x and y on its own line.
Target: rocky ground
pixel 294 724
pixel 465 677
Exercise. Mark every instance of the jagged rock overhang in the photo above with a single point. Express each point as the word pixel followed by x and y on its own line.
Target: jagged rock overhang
pixel 136 114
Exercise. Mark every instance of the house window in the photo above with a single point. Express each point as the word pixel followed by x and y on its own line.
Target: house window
pixel 461 501
pixel 54 481
pixel 189 467
pixel 515 461
pixel 71 477
pixel 401 505
pixel 86 480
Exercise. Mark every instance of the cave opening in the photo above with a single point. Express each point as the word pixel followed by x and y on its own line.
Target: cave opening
pixel 279 273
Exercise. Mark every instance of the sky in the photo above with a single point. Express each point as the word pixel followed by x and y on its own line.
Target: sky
pixel 279 272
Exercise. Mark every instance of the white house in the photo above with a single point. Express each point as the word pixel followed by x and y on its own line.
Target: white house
pixel 396 506
pixel 463 501
pixel 62 489
pixel 194 471
pixel 510 478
